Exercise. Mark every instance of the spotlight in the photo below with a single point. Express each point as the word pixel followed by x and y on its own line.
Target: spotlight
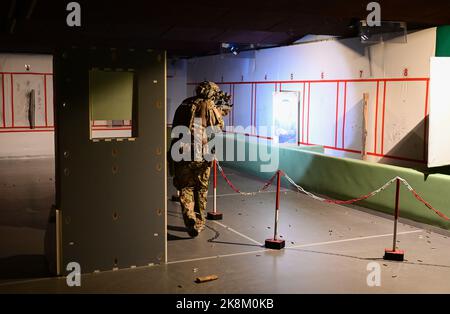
pixel 227 47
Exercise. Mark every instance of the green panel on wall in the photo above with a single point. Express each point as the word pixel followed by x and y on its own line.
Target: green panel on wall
pixel 443 41
pixel 110 95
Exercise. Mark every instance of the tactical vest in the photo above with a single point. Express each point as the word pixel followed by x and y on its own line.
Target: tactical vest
pixel 202 113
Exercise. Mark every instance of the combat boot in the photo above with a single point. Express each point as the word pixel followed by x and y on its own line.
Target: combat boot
pixel 200 226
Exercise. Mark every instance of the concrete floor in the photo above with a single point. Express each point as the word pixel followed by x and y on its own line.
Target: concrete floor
pixel 328 250
pixel 26 195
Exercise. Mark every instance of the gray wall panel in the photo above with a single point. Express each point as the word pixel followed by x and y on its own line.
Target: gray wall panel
pixel 90 193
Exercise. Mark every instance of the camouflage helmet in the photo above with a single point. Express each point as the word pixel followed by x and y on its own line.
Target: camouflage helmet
pixel 207 89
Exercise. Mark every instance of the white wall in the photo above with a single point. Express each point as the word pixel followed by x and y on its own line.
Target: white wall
pixel 17 139
pixel 331 77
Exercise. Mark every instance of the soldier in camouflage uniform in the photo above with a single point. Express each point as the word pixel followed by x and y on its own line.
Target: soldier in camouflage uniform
pixel 191 178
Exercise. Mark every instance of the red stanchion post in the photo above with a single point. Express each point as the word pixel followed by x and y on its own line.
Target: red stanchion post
pixel 394 254
pixel 276 243
pixel 214 215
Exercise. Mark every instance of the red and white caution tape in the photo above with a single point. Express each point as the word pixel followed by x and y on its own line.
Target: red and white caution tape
pixel 265 186
pixel 340 202
pixel 300 189
pixel 420 199
pixel 364 197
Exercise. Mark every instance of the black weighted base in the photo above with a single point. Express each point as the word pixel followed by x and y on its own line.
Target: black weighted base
pixel 214 216
pixel 397 255
pixel 275 244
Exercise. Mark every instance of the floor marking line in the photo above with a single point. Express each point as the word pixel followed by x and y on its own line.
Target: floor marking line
pixel 236 194
pixel 292 247
pixel 237 232
pixel 352 239
pixel 217 256
pixel 9 283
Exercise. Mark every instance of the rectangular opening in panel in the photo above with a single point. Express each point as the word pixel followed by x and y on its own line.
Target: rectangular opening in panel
pixel 112 105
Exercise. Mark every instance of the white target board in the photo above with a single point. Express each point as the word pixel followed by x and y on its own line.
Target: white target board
pixel 439 116
pixel 285 116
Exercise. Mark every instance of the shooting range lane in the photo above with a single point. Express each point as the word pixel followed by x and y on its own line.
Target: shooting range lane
pixel 328 248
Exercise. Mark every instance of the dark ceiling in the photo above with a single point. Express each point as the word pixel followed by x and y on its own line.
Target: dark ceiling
pixel 188 28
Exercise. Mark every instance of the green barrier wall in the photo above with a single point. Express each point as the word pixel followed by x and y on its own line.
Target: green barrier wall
pixel 315 148
pixel 344 178
pixel 443 41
